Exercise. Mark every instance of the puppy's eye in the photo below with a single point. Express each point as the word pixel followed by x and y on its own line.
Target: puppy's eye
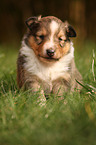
pixel 60 39
pixel 41 37
pixel 63 39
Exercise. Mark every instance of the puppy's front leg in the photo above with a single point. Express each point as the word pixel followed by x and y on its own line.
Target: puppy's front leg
pixel 34 86
pixel 60 86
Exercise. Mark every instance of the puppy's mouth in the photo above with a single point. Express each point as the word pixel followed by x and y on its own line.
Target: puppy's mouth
pixel 49 58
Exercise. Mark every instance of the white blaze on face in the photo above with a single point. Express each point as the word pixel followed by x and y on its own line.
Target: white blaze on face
pixel 53 29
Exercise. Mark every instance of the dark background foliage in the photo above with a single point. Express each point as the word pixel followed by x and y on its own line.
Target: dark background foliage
pixel 79 13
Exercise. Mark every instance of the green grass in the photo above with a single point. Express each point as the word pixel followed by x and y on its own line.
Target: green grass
pixel 71 121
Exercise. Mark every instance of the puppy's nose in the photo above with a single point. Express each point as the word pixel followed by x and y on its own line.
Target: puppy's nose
pixel 50 52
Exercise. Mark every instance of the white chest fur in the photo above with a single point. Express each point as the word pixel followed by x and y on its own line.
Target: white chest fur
pixel 46 73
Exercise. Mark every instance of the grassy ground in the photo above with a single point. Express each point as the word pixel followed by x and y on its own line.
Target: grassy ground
pixel 71 121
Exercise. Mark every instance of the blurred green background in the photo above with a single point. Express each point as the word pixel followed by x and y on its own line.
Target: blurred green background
pixel 79 13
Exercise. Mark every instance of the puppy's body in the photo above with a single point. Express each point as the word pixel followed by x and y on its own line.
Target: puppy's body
pixel 46 58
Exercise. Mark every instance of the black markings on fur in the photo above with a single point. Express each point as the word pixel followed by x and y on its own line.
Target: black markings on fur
pixel 70 32
pixel 33 24
pixel 21 60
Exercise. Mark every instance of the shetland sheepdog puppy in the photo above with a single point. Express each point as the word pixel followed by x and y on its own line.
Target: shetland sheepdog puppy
pixel 46 57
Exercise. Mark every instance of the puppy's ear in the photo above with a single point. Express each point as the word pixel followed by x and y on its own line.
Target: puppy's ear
pixel 33 22
pixel 70 32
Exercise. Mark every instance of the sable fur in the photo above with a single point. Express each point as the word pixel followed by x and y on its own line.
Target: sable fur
pixel 36 69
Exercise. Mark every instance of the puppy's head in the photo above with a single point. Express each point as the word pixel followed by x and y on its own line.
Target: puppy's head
pixel 49 37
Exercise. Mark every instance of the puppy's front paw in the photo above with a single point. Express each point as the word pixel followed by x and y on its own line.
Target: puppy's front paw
pixel 42 99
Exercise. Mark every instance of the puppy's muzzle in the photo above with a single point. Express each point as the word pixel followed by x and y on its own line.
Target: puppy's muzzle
pixel 50 52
